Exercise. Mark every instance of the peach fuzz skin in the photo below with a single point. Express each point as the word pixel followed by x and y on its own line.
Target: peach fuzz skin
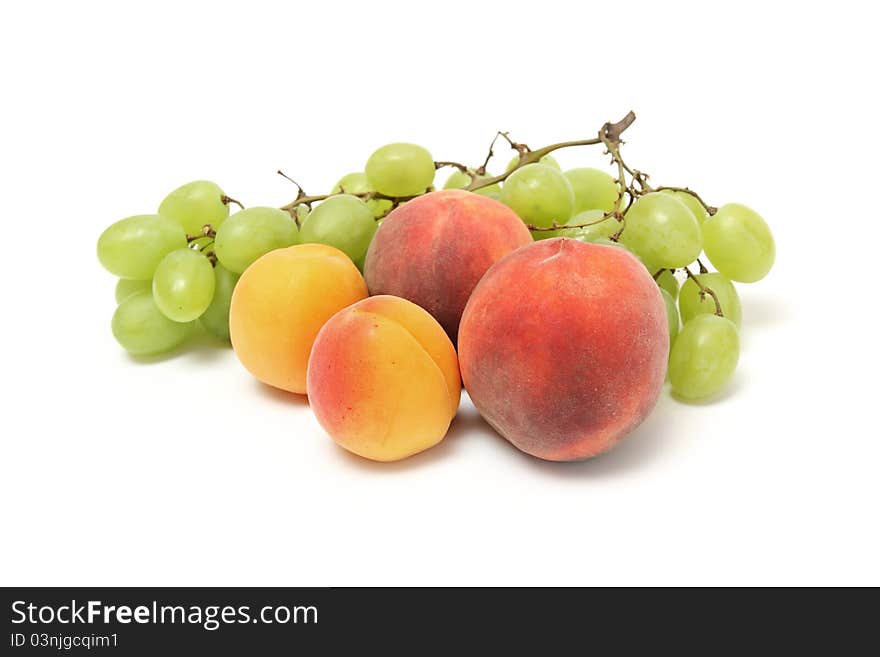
pixel 434 249
pixel 563 347
pixel 383 379
pixel 281 302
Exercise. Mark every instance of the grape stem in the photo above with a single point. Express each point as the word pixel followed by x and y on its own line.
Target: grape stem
pixel 228 199
pixel 308 200
pixel 704 290
pixel 609 135
pixel 299 188
pixel 456 165
pixel 305 199
pixel 207 231
pixel 710 209
pixel 481 170
pixel 630 182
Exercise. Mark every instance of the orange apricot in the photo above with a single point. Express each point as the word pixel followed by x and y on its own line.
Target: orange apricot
pixel 281 302
pixel 383 379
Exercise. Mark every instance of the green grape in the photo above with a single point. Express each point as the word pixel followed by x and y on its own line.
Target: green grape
pixel 691 304
pixel 132 247
pixel 251 233
pixel 460 180
pixel 357 183
pixel 539 194
pixel 739 243
pixel 342 221
pixel 605 228
pixel 666 281
pixel 125 287
pixel 691 202
pixel 605 241
pixel 216 318
pixel 400 170
pixel 671 314
pixel 589 233
pixel 662 230
pixel 703 357
pixel 593 189
pixel 141 328
pixel 549 160
pixel 183 285
pixel 194 205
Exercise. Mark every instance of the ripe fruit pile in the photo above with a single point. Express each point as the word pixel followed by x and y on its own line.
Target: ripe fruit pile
pixel 552 295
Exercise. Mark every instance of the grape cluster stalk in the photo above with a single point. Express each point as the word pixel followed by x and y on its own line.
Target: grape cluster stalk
pixel 165 260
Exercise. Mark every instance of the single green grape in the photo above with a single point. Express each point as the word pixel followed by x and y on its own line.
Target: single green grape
pixel 141 328
pixel 671 314
pixel 194 205
pixel 460 180
pixel 666 280
pixel 183 285
pixel 357 183
pixel 691 202
pixel 662 230
pixel 216 318
pixel 691 304
pixel 251 233
pixel 539 194
pixel 342 221
pixel 125 287
pixel 739 243
pixel 603 228
pixel 593 189
pixel 703 357
pixel 400 170
pixel 549 160
pixel 132 247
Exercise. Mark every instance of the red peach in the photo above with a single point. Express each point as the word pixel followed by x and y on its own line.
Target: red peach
pixel 434 249
pixel 563 347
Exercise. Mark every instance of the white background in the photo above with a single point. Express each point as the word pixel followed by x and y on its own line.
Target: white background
pixel 186 471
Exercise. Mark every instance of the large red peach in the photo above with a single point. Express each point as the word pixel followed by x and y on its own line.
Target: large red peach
pixel 434 249
pixel 563 347
pixel 383 379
